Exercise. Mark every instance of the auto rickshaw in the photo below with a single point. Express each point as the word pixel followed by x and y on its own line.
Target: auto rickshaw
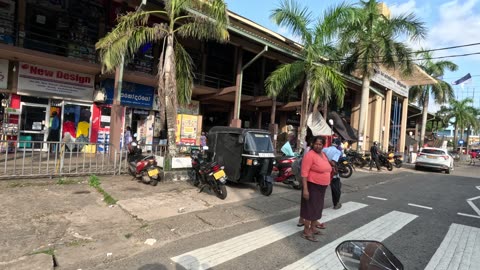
pixel 247 154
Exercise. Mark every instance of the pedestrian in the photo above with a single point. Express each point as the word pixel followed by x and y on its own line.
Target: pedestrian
pixel 473 156
pixel 316 172
pixel 203 140
pixel 374 156
pixel 54 131
pixel 333 155
pixel 128 136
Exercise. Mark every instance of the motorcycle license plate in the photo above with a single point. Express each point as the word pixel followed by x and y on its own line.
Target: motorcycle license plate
pixel 345 162
pixel 219 174
pixel 153 172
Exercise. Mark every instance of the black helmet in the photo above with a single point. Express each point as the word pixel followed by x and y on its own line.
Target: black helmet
pixel 336 142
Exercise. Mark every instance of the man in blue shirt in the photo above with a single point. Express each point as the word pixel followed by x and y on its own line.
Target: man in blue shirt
pixel 333 155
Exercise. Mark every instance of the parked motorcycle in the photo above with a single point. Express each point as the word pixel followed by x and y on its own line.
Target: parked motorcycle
pixel 356 159
pixel 397 160
pixel 207 174
pixel 384 161
pixel 282 172
pixel 143 168
pixel 344 168
pixel 366 254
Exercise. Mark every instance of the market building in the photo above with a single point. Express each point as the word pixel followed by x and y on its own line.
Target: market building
pixel 49 69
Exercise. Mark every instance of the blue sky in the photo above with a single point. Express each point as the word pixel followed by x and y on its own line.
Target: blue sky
pixel 450 23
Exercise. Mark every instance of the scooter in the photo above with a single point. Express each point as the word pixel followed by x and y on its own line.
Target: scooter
pixel 366 254
pixel 384 161
pixel 397 160
pixel 282 172
pixel 143 168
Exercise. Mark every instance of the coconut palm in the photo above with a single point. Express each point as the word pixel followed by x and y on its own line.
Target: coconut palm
pixel 320 81
pixel 368 40
pixel 461 115
pixel 197 19
pixel 441 92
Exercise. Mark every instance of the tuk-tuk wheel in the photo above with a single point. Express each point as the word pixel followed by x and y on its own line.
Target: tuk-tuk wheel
pixel 266 189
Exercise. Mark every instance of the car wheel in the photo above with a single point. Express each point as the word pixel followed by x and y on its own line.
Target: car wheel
pixel 447 171
pixel 417 168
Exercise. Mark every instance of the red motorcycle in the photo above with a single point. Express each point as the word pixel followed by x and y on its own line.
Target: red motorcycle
pixel 282 172
pixel 142 167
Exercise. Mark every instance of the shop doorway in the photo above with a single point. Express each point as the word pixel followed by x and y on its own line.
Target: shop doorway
pixel 33 129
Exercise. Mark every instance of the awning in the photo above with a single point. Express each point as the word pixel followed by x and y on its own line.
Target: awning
pixel 342 128
pixel 318 125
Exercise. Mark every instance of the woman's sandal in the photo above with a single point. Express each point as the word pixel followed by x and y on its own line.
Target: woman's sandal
pixel 318 233
pixel 321 226
pixel 300 224
pixel 309 237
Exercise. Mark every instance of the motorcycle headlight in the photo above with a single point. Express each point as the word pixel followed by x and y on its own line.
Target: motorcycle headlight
pixel 255 162
pixel 274 162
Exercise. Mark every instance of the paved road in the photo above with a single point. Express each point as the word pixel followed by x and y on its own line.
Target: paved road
pixel 429 220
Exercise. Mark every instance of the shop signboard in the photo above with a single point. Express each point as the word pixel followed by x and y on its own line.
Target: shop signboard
pixel 133 94
pixel 3 73
pixel 186 129
pixel 385 79
pixel 54 83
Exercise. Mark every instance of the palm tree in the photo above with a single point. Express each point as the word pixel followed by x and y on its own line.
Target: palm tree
pixel 320 81
pixel 197 19
pixel 368 40
pixel 441 92
pixel 461 115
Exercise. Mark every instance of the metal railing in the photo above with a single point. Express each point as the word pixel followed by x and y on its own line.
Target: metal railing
pixel 23 159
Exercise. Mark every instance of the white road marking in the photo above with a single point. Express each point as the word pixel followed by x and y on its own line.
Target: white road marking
pixel 378 230
pixel 210 256
pixel 377 198
pixel 460 249
pixel 474 207
pixel 420 206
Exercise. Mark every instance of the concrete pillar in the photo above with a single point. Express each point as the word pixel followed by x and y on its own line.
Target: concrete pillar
pixel 387 118
pixel 403 127
pixel 376 120
pixel 237 122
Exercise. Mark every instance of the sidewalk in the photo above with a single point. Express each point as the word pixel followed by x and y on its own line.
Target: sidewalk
pixel 71 222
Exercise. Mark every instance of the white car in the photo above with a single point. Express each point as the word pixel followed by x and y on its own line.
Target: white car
pixel 435 158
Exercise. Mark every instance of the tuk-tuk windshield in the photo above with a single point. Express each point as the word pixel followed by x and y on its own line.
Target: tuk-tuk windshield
pixel 257 142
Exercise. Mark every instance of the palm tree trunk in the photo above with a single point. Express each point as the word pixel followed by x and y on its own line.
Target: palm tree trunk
pixel 363 109
pixel 161 87
pixel 424 119
pixel 455 136
pixel 170 96
pixel 304 114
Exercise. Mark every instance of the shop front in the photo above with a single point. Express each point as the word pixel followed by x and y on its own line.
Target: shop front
pixel 54 105
pixel 139 115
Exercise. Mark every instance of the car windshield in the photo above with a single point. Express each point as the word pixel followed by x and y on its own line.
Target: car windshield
pixel 433 151
pixel 258 142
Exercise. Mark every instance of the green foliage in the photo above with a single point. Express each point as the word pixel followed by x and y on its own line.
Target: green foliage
pixel 94 182
pixel 49 251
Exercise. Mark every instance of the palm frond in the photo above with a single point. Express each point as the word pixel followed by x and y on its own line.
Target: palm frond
pixel 287 77
pixel 202 29
pixel 326 82
pixel 184 74
pixel 296 18
pixel 410 25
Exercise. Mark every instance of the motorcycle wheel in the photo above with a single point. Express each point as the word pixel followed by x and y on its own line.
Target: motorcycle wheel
pixel 345 171
pixel 221 191
pixel 398 163
pixel 266 189
pixel 294 183
pixel 389 166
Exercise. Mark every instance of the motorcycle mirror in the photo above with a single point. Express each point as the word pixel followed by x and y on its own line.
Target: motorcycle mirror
pixel 366 254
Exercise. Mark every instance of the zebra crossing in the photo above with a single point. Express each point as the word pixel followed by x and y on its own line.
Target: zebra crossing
pixel 460 249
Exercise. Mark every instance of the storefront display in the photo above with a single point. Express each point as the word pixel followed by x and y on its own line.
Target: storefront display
pixel 188 129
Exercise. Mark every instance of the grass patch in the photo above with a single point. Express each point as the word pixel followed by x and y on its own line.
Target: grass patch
pixel 66 181
pixel 94 182
pixel 128 235
pixel 50 251
pixel 144 226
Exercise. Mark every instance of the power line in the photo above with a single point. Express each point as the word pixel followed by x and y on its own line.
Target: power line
pixel 417 59
pixel 448 48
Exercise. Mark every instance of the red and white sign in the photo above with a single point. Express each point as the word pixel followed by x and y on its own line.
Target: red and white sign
pixel 56 83
pixel 3 74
